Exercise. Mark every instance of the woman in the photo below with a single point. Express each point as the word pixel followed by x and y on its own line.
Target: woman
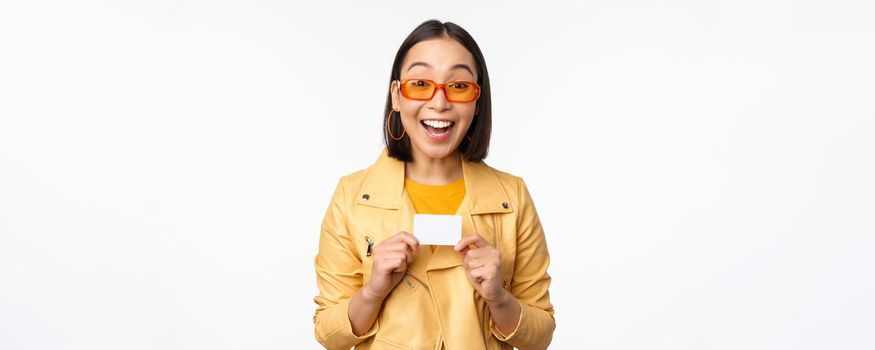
pixel 379 288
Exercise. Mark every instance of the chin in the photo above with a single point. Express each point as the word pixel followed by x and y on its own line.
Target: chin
pixel 438 151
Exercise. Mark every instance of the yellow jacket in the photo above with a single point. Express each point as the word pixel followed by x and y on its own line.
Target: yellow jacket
pixel 372 204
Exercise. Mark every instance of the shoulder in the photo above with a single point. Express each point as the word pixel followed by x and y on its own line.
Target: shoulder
pixel 513 185
pixel 509 181
pixel 350 184
pixel 504 176
pixel 355 178
pixel 383 166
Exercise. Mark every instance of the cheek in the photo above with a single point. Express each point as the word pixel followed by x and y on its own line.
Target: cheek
pixel 409 112
pixel 467 121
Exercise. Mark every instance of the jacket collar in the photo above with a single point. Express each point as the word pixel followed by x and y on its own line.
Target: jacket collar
pixel 384 186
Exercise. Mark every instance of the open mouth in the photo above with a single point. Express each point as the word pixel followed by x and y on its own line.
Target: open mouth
pixel 437 129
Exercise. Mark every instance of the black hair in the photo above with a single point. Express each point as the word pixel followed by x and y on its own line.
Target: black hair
pixel 481 127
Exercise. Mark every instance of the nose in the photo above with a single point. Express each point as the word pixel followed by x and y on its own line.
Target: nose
pixel 439 101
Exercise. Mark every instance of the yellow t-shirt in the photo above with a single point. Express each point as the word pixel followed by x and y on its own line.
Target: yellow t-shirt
pixel 436 199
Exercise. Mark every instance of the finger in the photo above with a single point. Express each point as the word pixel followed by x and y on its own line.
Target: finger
pixel 474 239
pixel 474 264
pixel 388 264
pixel 464 250
pixel 468 274
pixel 476 278
pixel 479 241
pixel 482 274
pixel 405 255
pixel 398 246
pixel 477 252
pixel 391 260
pixel 463 243
pixel 391 247
pixel 488 253
pixel 408 255
pixel 401 265
pixel 408 239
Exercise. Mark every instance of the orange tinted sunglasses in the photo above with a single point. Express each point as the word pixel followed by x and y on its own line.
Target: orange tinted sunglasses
pixel 455 91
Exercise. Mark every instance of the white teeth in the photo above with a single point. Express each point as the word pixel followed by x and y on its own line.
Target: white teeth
pixel 437 123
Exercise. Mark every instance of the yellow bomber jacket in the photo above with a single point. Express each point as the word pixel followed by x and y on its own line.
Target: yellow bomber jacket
pixel 371 204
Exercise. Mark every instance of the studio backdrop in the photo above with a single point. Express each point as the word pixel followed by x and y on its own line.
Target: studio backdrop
pixel 702 169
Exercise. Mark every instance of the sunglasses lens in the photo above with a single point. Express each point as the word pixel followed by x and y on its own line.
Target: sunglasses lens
pixel 461 91
pixel 418 89
pixel 456 91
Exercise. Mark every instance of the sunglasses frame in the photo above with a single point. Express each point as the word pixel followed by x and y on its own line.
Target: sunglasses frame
pixel 439 87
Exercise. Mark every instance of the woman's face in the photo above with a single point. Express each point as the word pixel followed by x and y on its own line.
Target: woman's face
pixel 440 60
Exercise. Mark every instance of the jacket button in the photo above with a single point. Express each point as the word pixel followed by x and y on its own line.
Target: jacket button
pixel 366 196
pixel 505 205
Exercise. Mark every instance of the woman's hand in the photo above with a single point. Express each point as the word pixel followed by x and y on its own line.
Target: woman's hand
pixel 390 258
pixel 483 264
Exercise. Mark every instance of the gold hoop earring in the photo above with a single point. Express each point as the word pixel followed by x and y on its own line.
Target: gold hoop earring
pixel 389 130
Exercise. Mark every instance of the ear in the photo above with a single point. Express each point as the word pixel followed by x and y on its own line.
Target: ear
pixel 396 100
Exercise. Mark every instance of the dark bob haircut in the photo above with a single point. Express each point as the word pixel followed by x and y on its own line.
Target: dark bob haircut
pixel 481 127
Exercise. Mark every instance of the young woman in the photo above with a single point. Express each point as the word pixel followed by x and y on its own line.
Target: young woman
pixel 379 288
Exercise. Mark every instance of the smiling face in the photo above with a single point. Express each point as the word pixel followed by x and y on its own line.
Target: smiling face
pixel 436 127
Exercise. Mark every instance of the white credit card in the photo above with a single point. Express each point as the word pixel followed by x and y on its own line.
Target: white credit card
pixel 437 229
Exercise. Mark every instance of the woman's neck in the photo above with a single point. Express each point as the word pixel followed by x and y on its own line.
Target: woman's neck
pixel 434 171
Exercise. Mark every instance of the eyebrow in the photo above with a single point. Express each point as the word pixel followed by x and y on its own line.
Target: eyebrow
pixel 457 66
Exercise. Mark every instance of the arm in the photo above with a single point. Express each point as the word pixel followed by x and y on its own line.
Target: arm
pixel 347 312
pixel 390 263
pixel 529 287
pixel 505 313
pixel 482 262
pixel 339 276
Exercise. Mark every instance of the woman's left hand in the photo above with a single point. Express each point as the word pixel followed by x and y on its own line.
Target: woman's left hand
pixel 483 264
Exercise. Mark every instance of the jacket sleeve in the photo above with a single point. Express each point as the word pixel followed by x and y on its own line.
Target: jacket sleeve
pixel 530 281
pixel 338 276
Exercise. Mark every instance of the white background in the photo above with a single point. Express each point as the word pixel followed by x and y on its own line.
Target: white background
pixel 703 169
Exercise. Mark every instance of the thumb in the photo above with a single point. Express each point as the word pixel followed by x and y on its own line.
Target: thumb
pixel 474 239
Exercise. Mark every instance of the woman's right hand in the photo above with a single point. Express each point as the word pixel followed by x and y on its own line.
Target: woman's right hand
pixel 391 258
